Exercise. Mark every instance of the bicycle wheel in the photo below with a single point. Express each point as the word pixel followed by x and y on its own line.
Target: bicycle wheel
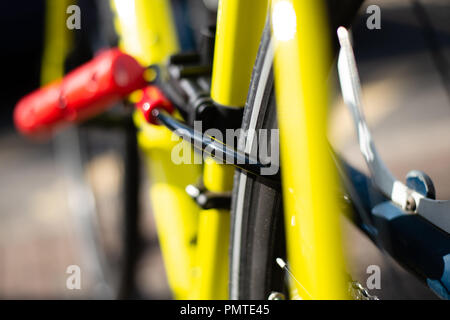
pixel 102 169
pixel 257 225
pixel 256 219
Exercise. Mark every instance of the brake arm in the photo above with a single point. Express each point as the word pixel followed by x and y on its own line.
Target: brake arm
pixel 435 211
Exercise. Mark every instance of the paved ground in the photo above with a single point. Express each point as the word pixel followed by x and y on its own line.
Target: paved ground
pixel 407 109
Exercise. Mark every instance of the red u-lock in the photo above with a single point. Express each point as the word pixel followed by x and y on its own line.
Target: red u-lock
pixel 83 93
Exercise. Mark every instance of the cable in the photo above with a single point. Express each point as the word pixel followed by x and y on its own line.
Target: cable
pixel 214 148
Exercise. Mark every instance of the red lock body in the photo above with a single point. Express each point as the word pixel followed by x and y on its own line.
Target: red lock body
pixel 83 93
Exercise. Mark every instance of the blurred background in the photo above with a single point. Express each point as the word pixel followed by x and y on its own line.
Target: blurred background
pixel 405 74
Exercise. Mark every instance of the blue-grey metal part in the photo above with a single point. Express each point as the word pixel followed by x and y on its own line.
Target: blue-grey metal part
pixel 416 244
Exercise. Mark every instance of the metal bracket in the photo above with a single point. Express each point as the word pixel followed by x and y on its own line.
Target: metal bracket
pixel 187 82
pixel 209 200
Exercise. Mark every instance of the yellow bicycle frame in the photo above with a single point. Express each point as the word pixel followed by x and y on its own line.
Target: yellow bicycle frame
pixel 309 183
pixel 194 242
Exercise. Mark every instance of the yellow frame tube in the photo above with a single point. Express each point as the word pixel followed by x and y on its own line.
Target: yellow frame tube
pixel 147 29
pixel 309 181
pixel 239 29
pixel 175 213
pixel 58 40
pixel 210 279
pixel 148 33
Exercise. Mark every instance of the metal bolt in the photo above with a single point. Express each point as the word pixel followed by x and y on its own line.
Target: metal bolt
pixel 277 296
pixel 411 204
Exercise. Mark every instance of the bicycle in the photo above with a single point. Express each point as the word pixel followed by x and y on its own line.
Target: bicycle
pixel 292 216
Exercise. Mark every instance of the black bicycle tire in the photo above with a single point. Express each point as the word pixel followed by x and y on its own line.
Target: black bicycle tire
pixel 255 206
